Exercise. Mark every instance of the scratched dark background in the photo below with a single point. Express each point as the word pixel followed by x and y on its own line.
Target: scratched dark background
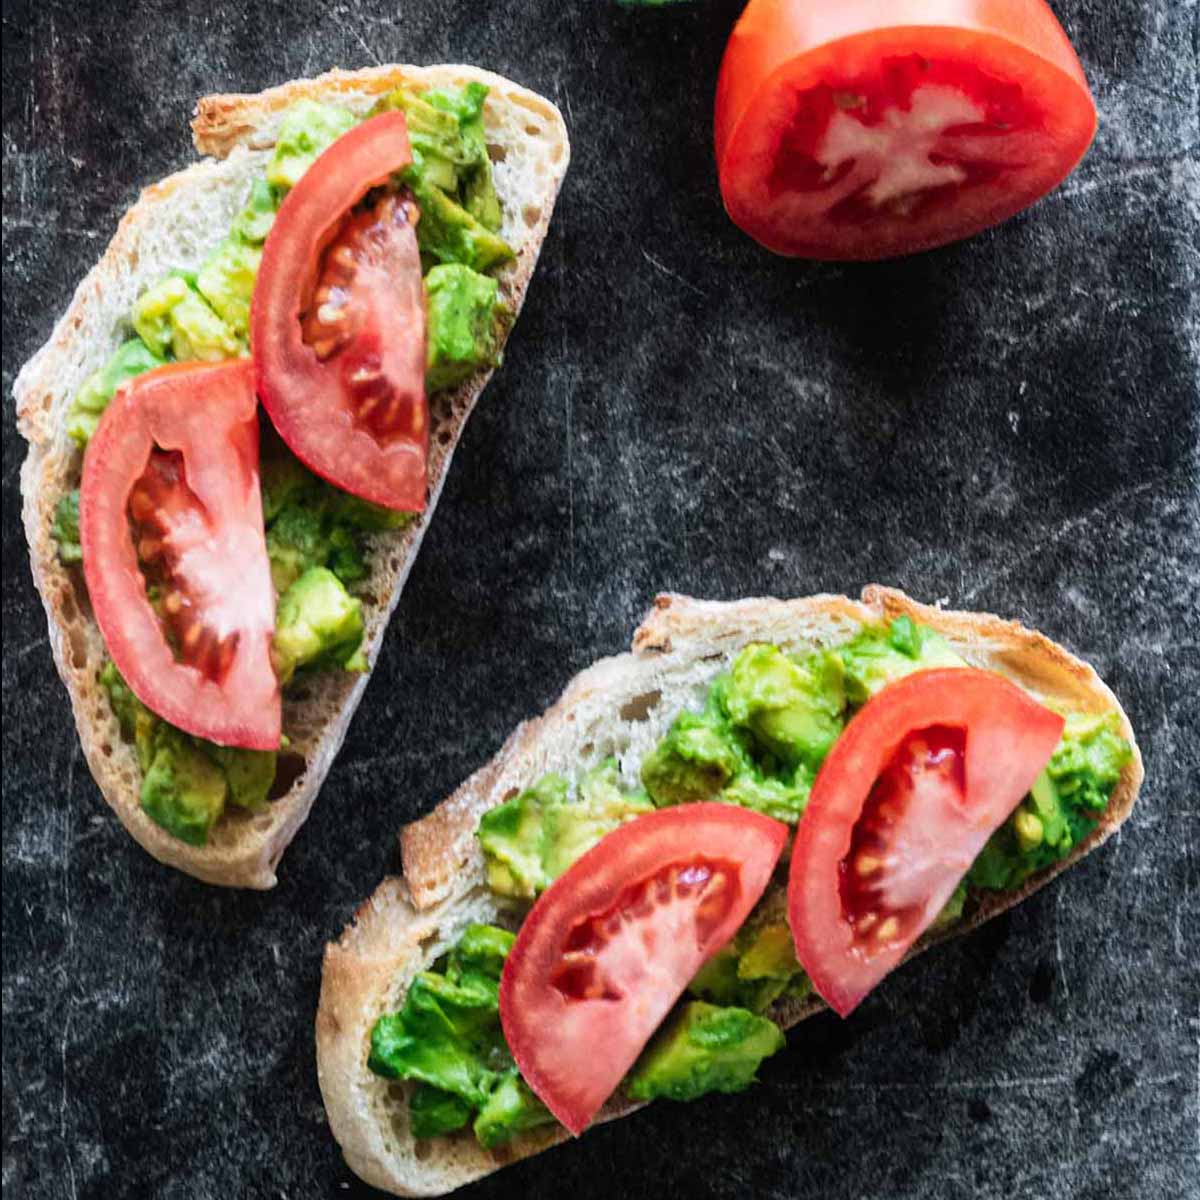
pixel 1011 423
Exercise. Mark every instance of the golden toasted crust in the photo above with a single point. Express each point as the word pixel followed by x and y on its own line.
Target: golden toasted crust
pixel 443 879
pixel 244 849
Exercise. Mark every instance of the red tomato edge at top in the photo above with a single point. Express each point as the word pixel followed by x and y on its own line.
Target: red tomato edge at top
pixel 791 40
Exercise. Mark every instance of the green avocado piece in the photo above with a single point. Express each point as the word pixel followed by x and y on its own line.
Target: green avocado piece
pixel 879 655
pixel 512 835
pixel 183 790
pixel 433 1112
pixel 694 761
pixel 792 708
pixel 1062 806
pixel 65 530
pixel 783 799
pixel 226 281
pixel 254 222
pixel 703 1048
pixel 464 317
pixel 307 130
pixel 318 623
pixel 448 1033
pixel 477 187
pixel 249 773
pixel 448 233
pixel 952 912
pixel 130 359
pixel 754 970
pixel 511 1108
pixel 174 320
pixel 439 151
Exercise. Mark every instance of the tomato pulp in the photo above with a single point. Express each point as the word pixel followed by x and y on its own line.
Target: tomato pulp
pixel 611 945
pixel 919 780
pixel 171 526
pixel 867 129
pixel 337 322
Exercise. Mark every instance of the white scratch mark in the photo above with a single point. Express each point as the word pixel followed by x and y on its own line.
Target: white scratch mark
pixel 658 266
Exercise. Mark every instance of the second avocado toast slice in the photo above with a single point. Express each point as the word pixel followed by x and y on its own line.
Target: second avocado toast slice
pixel 175 226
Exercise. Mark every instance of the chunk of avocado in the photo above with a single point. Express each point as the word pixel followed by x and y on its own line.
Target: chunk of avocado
pixel 693 762
pixel 183 790
pixel 793 708
pixel 173 319
pixel 512 834
pixel 439 152
pixel 880 655
pixel 783 799
pixel 226 281
pixel 464 314
pixel 703 1048
pixel 571 830
pixel 65 529
pixel 754 970
pixel 511 1108
pixel 318 623
pixel 129 359
pixel 249 773
pixel 448 233
pixel 254 222
pixel 307 130
pixel 433 1112
pixel 477 189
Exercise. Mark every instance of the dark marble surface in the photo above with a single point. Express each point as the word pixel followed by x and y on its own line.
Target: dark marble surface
pixel 1011 423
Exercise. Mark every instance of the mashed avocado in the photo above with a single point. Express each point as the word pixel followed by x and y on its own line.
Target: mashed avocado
pixel 305 133
pixel 175 321
pixel 702 1049
pixel 754 970
pixel 880 655
pixel 533 838
pixel 447 1037
pixel 466 324
pixel 186 781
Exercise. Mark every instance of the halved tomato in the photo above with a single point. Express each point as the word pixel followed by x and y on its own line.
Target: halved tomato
pixel 866 129
pixel 337 321
pixel 611 945
pixel 170 505
pixel 919 780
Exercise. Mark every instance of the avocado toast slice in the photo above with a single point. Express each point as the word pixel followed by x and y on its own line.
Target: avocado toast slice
pixel 622 707
pixel 176 224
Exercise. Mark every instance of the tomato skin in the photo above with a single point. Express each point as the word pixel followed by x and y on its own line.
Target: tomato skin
pixel 1008 740
pixel 309 399
pixel 632 917
pixel 207 414
pixel 781 47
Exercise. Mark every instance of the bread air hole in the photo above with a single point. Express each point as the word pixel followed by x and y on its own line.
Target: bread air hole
pixel 533 214
pixel 497 153
pixel 79 648
pixel 640 707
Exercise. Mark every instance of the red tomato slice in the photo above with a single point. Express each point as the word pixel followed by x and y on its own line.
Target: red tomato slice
pixel 337 322
pixel 611 945
pixel 865 129
pixel 919 780
pixel 170 497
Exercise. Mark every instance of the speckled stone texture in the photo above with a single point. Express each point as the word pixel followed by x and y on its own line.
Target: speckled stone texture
pixel 1010 424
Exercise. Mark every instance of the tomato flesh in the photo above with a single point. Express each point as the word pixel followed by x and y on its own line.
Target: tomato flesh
pixel 848 132
pixel 921 777
pixel 611 945
pixel 338 321
pixel 170 501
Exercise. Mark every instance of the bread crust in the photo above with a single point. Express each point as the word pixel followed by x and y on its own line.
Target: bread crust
pixel 238 131
pixel 366 972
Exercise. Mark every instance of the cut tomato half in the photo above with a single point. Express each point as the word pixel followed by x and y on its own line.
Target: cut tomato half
pixel 337 322
pixel 919 780
pixel 612 944
pixel 171 526
pixel 873 128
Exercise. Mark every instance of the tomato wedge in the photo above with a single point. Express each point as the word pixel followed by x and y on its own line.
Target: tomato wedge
pixel 612 943
pixel 865 129
pixel 337 321
pixel 170 500
pixel 919 780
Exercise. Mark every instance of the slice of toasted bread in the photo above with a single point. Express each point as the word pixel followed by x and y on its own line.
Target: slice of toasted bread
pixel 620 706
pixel 176 223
